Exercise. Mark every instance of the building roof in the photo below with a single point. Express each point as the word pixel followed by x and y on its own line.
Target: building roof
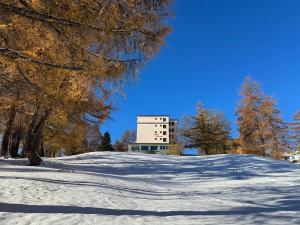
pixel 158 115
pixel 153 115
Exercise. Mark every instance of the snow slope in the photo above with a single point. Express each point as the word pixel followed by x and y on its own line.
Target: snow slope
pixel 123 188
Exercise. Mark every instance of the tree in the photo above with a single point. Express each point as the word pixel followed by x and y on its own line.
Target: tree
pixel 208 130
pixel 296 131
pixel 76 139
pixel 94 137
pixel 262 130
pixel 249 118
pixel 127 138
pixel 175 149
pixel 119 146
pixel 106 143
pixel 62 54
pixel 273 129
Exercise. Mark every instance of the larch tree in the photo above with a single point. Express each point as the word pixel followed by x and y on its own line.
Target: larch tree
pixel 273 129
pixel 249 118
pixel 65 52
pixel 295 125
pixel 261 127
pixel 208 130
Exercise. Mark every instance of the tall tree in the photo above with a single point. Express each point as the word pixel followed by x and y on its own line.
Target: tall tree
pixel 66 52
pixel 249 117
pixel 296 131
pixel 273 129
pixel 261 127
pixel 208 130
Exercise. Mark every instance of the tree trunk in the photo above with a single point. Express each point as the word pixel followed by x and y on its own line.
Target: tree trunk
pixel 35 144
pixel 15 141
pixel 40 149
pixel 263 151
pixel 7 132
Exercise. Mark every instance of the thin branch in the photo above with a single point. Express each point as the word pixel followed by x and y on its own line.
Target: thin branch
pixel 63 21
pixel 17 55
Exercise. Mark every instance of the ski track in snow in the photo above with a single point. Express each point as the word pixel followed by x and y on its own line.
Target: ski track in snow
pixel 135 189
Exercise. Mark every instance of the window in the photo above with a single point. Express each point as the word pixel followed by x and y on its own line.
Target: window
pixel 164 119
pixel 162 147
pixel 155 118
pixel 160 125
pixel 153 148
pixel 160 118
pixel 155 125
pixel 165 133
pixel 135 148
pixel 164 126
pixel 165 140
pixel 145 148
pixel 156 132
pixel 155 139
pixel 160 138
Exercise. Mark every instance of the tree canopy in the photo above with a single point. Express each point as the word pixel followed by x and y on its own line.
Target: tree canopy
pixel 57 57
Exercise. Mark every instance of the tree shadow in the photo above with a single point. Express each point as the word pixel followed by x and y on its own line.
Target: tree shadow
pixel 137 167
pixel 287 206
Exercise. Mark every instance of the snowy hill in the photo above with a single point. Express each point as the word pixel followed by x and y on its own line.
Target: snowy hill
pixel 122 188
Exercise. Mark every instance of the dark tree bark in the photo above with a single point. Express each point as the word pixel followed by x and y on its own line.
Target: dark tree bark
pixel 33 140
pixel 35 145
pixel 15 141
pixel 7 132
pixel 40 149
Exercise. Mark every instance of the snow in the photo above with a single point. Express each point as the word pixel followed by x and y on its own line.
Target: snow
pixel 131 188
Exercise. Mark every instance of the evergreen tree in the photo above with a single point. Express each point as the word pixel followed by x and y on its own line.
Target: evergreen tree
pixel 208 131
pixel 106 143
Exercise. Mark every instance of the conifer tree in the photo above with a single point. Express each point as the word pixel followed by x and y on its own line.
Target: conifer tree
pixel 262 130
pixel 296 131
pixel 249 117
pixel 273 129
pixel 54 56
pixel 106 142
pixel 208 130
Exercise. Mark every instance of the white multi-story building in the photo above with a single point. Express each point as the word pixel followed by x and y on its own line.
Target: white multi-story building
pixel 155 133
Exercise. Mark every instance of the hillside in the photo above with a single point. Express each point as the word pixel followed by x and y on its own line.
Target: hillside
pixel 122 188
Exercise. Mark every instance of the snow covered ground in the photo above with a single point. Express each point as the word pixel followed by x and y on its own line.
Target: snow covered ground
pixel 123 188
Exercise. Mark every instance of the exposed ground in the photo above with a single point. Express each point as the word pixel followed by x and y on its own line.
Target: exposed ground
pixel 122 188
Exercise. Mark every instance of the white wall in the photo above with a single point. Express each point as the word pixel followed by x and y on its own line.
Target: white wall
pixel 150 129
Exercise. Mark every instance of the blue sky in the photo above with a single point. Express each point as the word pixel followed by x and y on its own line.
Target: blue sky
pixel 214 46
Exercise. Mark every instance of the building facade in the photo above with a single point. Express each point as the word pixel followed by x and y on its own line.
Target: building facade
pixel 155 133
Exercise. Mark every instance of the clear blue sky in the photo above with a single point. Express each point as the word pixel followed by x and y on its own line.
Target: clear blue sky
pixel 215 44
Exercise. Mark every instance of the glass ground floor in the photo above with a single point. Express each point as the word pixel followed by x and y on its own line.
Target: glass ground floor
pixel 150 148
